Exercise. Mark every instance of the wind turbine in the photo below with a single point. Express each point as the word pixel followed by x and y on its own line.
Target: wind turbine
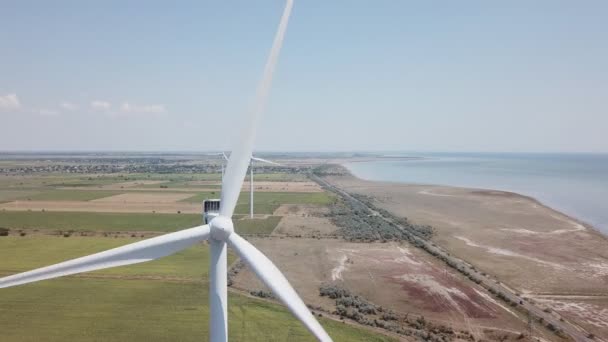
pixel 219 232
pixel 251 159
pixel 251 180
pixel 222 163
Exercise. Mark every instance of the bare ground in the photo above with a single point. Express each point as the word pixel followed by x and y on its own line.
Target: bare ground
pixel 397 277
pixel 303 221
pixel 530 247
pixel 590 311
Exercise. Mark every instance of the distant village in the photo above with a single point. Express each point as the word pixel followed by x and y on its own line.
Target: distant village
pixel 117 165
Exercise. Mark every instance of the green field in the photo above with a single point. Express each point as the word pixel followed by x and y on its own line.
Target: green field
pixel 61 180
pixel 171 304
pixel 72 195
pixel 24 253
pixel 32 181
pixel 278 177
pixel 256 226
pixel 76 309
pixel 113 222
pixel 268 202
pixel 180 184
pixel 11 195
pixel 83 221
pixel 86 182
pixel 162 300
pixel 53 181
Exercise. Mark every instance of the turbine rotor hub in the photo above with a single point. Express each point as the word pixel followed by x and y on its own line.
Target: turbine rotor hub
pixel 220 228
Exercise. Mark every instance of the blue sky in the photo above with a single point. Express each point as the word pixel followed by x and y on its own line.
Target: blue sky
pixel 514 76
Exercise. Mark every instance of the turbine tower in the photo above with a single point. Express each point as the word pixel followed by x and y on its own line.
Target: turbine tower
pixel 222 163
pixel 219 232
pixel 250 175
pixel 251 180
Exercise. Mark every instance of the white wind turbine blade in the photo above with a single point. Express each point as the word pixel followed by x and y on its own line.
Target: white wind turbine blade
pixel 265 161
pixel 241 154
pixel 225 156
pixel 134 253
pixel 274 279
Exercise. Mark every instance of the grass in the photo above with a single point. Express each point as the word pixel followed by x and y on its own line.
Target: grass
pixel 52 180
pixel 178 177
pixel 159 308
pixel 72 195
pixel 11 195
pixel 201 196
pixel 277 177
pixel 24 253
pixel 28 182
pixel 256 226
pixel 180 184
pixel 112 222
pixel 94 180
pixel 83 221
pixel 268 202
pixel 74 309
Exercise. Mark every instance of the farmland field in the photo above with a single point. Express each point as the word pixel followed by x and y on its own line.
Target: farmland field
pixel 29 252
pixel 71 195
pixel 57 217
pixel 256 226
pixel 75 309
pixel 268 202
pixel 121 222
pixel 11 195
pixel 156 301
pixel 83 221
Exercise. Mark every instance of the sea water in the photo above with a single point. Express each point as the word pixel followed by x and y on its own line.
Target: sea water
pixel 576 184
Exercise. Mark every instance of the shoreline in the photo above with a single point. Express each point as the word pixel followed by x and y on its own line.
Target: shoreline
pixel 537 251
pixel 533 199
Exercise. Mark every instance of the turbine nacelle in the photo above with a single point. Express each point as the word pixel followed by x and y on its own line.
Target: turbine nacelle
pixel 221 227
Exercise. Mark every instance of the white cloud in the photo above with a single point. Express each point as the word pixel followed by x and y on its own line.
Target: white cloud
pixel 100 105
pixel 48 112
pixel 9 102
pixel 69 106
pixel 142 109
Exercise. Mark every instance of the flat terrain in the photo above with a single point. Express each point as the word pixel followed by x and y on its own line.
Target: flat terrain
pixel 394 276
pixel 304 221
pixel 103 206
pixel 55 217
pixel 49 222
pixel 88 221
pixel 143 197
pixel 153 202
pixel 156 301
pixel 167 298
pixel 529 247
pixel 25 253
pixel 75 309
pixel 276 186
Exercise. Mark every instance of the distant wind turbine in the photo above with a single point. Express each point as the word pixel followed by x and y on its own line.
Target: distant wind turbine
pixel 219 232
pixel 251 180
pixel 251 159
